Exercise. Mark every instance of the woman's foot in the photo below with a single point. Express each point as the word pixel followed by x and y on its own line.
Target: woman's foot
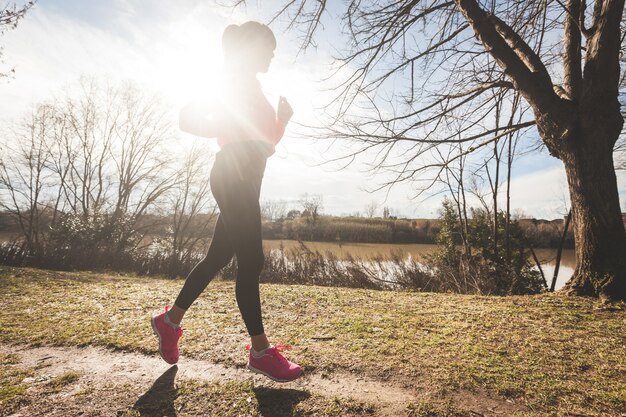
pixel 168 334
pixel 271 363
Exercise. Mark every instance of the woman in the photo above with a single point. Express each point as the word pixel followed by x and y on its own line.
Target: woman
pixel 247 129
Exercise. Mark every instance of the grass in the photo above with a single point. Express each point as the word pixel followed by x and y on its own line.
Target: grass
pixel 59 382
pixel 12 387
pixel 425 409
pixel 548 354
pixel 239 399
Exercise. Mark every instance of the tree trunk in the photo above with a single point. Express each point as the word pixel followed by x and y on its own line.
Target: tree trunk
pixel 597 221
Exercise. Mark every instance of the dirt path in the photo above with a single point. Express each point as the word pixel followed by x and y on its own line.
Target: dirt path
pixel 101 365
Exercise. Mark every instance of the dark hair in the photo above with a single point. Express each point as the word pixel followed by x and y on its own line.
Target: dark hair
pixel 238 39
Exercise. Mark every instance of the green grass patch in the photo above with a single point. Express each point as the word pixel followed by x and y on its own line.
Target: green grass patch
pixel 57 383
pixel 544 353
pixel 426 409
pixel 12 387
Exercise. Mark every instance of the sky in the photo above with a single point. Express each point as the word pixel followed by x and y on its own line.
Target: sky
pixel 174 50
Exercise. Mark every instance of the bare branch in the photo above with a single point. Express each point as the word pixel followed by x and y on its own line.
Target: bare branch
pixel 573 76
pixel 535 86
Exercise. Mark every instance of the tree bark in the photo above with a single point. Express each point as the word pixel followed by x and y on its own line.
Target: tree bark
pixel 597 221
pixel 588 158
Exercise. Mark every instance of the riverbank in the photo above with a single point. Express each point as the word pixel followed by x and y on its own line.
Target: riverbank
pixel 419 250
pixel 379 261
pixel 454 354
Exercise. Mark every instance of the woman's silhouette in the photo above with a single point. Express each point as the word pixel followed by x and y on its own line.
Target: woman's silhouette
pixel 247 129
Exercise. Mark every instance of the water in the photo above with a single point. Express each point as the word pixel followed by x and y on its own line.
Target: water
pixel 364 250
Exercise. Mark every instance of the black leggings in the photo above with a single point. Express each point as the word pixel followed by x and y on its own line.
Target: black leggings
pixel 236 185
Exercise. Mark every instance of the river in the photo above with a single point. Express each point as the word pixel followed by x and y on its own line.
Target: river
pixel 416 250
pixel 364 250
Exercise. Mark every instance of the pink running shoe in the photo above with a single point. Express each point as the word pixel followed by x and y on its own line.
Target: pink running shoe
pixel 274 365
pixel 168 337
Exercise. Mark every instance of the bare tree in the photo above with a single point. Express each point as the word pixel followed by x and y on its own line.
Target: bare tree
pixel 90 121
pixel 23 174
pixel 193 209
pixel 110 154
pixel 273 209
pixel 144 171
pixel 371 209
pixel 456 186
pixel 94 161
pixel 10 15
pixel 413 67
pixel 312 206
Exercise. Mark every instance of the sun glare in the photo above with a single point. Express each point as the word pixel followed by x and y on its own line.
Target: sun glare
pixel 189 60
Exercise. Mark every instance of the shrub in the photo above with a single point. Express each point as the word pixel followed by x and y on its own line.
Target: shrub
pixel 485 266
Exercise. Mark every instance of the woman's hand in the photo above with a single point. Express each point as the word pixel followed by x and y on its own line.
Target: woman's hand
pixel 284 111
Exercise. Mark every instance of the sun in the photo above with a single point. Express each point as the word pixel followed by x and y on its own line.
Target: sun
pixel 188 61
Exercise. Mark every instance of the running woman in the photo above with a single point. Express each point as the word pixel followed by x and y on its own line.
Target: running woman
pixel 247 130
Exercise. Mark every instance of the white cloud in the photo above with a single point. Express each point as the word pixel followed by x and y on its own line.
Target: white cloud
pixel 545 194
pixel 541 194
pixel 50 52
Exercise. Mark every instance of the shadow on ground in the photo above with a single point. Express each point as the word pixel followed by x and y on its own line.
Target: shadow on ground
pixel 279 402
pixel 159 399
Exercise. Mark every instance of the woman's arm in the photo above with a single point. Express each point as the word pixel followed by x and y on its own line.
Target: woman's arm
pixel 193 119
pixel 283 115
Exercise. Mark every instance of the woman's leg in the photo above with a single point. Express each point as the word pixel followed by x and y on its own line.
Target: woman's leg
pixel 263 358
pixel 241 213
pixel 218 256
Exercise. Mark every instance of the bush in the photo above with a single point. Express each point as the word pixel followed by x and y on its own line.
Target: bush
pixel 484 266
pixel 101 239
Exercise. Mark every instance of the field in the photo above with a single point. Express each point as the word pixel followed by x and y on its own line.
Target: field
pixel 81 343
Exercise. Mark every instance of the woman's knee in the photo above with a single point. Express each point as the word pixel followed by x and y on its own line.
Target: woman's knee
pixel 206 270
pixel 252 265
pixel 217 260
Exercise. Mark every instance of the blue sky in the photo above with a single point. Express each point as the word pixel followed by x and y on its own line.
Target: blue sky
pixel 170 48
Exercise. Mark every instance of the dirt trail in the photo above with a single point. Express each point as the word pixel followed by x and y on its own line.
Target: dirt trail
pixel 101 365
